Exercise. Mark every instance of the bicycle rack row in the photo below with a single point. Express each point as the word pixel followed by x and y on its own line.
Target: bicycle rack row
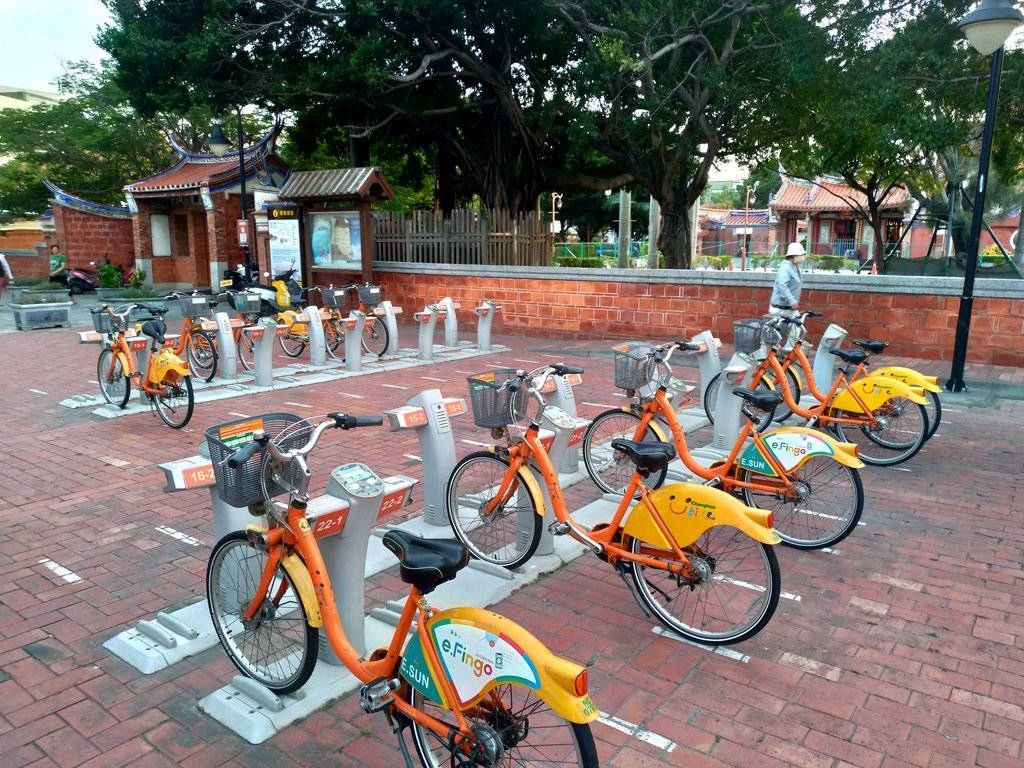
pixel 446 310
pixel 254 712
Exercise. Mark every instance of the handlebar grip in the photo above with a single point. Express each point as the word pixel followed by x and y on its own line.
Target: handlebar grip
pixel 813 314
pixel 347 421
pixel 693 346
pixel 562 370
pixel 243 454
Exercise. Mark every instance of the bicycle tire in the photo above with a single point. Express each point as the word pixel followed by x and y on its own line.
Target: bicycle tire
pixel 246 351
pixel 762 419
pixel 201 353
pixel 738 593
pixel 292 344
pixel 175 401
pixel 898 431
pixel 513 713
pixel 510 535
pixel 115 386
pixel 829 506
pixel 934 410
pixel 334 338
pixel 610 470
pixel 277 650
pixel 376 336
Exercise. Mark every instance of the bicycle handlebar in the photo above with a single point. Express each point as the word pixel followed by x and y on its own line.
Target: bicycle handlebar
pixel 336 420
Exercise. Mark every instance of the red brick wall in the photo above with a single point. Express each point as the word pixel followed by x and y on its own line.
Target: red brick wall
pixel 916 325
pixel 86 237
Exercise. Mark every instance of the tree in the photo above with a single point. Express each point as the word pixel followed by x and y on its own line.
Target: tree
pixel 91 144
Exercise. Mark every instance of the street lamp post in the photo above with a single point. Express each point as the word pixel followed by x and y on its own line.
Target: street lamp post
pixel 746 228
pixel 986 27
pixel 556 204
pixel 219 145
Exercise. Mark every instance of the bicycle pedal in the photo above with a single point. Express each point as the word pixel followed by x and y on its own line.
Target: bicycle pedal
pixel 376 694
pixel 558 529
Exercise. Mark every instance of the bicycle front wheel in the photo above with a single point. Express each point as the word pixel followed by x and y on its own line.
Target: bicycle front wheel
pixel 175 400
pixel 733 597
pixel 376 336
pixel 762 419
pixel 115 386
pixel 934 410
pixel 246 347
pixel 514 728
pixel 292 344
pixel 892 433
pixel 819 506
pixel 334 333
pixel 612 470
pixel 201 353
pixel 506 535
pixel 277 647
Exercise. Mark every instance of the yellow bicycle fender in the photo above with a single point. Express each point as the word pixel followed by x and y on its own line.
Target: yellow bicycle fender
pixel 688 510
pixel 874 391
pixel 303 584
pixel 288 318
pixel 910 376
pixel 164 363
pixel 481 650
pixel 815 443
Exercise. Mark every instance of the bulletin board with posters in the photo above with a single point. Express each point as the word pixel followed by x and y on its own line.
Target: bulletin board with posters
pixel 284 238
pixel 335 240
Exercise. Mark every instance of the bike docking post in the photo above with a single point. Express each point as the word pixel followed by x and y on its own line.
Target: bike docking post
pixel 152 645
pixel 559 395
pixel 823 366
pixel 427 320
pixel 342 520
pixel 387 311
pixel 354 341
pixel 429 413
pixel 485 312
pixel 264 334
pixel 317 341
pixel 227 365
pixel 708 361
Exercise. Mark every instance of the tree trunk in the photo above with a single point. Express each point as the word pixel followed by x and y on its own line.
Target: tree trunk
pixel 676 237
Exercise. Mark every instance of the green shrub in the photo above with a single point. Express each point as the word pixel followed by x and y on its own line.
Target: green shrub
pixel 33 282
pixel 715 262
pixel 110 276
pixel 132 293
pixel 826 263
pixel 587 262
pixel 762 261
pixel 138 279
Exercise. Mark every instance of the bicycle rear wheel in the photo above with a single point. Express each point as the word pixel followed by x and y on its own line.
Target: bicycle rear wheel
pixel 246 347
pixel 115 386
pixel 175 400
pixel 736 594
pixel 292 344
pixel 762 419
pixel 507 535
pixel 893 433
pixel 612 470
pixel 376 336
pixel 822 508
pixel 934 410
pixel 201 353
pixel 334 333
pixel 515 728
pixel 277 648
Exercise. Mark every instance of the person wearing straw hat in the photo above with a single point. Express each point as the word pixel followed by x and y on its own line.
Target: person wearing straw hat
pixel 786 290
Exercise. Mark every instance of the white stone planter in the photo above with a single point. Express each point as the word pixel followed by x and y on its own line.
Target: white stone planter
pixel 28 317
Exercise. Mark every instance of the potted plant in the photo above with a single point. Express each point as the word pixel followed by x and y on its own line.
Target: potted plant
pixel 36 285
pixel 42 309
pixel 110 280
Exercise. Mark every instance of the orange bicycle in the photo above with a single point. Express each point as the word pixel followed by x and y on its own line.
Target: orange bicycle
pixel 474 688
pixel 195 343
pixel 808 480
pixel 882 415
pixel 166 382
pixel 695 557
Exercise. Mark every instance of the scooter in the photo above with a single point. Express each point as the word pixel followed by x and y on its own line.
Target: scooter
pixel 284 293
pixel 81 280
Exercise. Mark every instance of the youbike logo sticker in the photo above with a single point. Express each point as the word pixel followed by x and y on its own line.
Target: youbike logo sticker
pixel 473 657
pixel 692 508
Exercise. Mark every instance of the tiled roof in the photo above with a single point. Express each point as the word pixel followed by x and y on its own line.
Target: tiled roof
pixel 743 218
pixel 187 175
pixel 826 195
pixel 337 184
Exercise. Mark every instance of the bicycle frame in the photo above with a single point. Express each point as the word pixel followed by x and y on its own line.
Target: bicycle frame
pixel 160 363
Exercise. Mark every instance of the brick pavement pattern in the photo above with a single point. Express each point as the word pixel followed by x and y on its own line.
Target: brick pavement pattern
pixel 904 649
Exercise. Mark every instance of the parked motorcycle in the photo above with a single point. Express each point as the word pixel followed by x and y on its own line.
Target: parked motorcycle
pixel 284 292
pixel 82 280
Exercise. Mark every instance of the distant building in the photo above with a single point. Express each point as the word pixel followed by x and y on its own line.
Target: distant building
pixel 23 98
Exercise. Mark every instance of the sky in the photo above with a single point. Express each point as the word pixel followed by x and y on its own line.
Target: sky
pixel 39 34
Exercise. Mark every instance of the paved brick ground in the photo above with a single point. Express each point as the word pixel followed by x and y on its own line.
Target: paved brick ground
pixel 905 648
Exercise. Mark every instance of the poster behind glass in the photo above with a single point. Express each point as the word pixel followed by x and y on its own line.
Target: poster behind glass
pixel 336 240
pixel 284 244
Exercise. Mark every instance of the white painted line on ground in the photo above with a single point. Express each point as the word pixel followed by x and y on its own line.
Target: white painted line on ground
pixel 469 373
pixel 90 381
pixel 39 391
pixel 660 742
pixel 902 469
pixel 600 405
pixel 184 538
pixel 829 550
pixel 412 456
pixel 114 462
pixel 297 405
pixel 240 415
pixel 946 410
pixel 394 386
pixel 61 571
pixel 474 442
pixel 528 362
pixel 721 650
pixel 349 394
pixel 754 587
pixel 433 378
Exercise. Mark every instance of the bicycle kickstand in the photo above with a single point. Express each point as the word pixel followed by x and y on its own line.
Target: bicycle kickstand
pixel 398 725
pixel 620 568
